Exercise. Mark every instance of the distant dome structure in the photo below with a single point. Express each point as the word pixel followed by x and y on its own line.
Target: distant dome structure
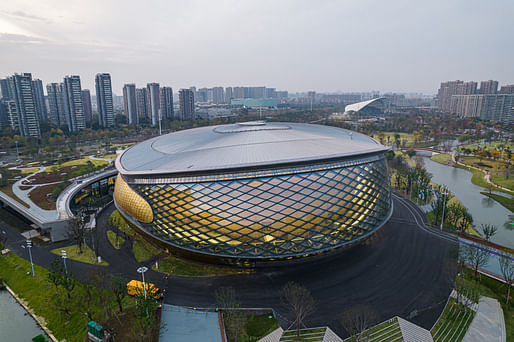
pixel 255 192
pixel 372 107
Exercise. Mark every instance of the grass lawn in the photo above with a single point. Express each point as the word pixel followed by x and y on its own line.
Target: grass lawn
pixel 493 288
pixel 87 256
pixel 112 239
pixel 77 162
pixel 110 156
pixel 505 201
pixel 121 223
pixel 257 326
pixel 37 292
pixel 453 323
pixel 409 137
pixel 388 330
pixel 39 295
pixel 8 191
pixel 177 266
pixel 441 158
pixel 143 250
pixel 503 181
pixel 28 170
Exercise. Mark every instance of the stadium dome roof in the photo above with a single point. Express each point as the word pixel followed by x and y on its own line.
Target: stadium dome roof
pixel 242 145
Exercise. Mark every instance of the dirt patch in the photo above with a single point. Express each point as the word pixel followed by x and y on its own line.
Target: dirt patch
pixel 483 164
pixel 49 177
pixel 25 187
pixel 39 196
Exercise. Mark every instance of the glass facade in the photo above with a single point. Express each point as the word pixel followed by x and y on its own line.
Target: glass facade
pixel 289 212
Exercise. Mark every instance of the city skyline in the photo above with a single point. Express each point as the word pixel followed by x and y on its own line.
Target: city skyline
pixel 349 47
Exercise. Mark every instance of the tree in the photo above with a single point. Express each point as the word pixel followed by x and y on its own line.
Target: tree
pixel 76 230
pixel 147 326
pixel 466 220
pixel 489 231
pixel 235 320
pixel 475 256
pixel 357 319
pixel 299 302
pixel 507 271
pixel 119 289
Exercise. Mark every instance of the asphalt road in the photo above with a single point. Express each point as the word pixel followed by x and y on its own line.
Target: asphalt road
pixel 406 269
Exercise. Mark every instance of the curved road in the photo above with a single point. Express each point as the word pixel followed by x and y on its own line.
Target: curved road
pixel 406 268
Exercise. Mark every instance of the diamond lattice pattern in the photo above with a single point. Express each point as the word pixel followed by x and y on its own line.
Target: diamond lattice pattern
pixel 281 216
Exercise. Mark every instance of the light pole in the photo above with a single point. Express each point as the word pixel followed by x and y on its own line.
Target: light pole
pixel 142 270
pixel 444 205
pixel 64 256
pixel 29 246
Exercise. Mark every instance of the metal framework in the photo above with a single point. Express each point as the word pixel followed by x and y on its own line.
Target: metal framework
pixel 287 213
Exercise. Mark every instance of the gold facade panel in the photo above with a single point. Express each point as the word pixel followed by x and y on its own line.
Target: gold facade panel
pixel 131 202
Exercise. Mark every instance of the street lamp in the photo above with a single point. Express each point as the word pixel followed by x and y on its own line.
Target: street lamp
pixel 444 204
pixel 64 256
pixel 142 270
pixel 29 246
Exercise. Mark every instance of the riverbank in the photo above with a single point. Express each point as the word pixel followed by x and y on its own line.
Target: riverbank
pixel 39 320
pixel 479 179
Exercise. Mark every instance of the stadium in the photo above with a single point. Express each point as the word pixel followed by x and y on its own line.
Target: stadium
pixel 255 192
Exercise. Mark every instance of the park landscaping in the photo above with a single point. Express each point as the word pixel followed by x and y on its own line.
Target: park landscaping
pixel 453 323
pixel 115 240
pixel 73 253
pixel 186 268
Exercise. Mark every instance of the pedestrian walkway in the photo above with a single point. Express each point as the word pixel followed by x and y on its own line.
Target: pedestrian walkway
pixel 488 324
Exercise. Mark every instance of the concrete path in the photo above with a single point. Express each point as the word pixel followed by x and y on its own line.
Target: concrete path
pixel 488 324
pixel 47 215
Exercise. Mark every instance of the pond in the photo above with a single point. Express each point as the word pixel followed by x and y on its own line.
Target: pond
pixel 484 209
pixel 15 323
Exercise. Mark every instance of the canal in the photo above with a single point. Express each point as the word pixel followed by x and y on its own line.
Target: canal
pixel 484 209
pixel 15 323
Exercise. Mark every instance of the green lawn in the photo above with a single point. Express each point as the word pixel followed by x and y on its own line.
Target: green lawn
pixel 259 326
pixel 110 156
pixel 385 331
pixel 28 170
pixel 143 250
pixel 112 239
pixel 181 267
pixel 504 181
pixel 505 201
pixel 77 162
pixel 493 288
pixel 453 323
pixel 87 255
pixel 441 158
pixel 37 292
pixel 121 223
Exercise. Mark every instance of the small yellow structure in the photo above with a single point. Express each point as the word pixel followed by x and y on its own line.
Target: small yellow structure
pixel 135 287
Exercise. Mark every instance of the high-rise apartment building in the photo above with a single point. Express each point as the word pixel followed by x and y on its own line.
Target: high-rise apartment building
pixel 86 103
pixel 239 92
pixel 153 102
pixel 218 95
pixel 5 90
pixel 104 100
pixel 495 107
pixel 166 102
pixel 129 103
pixel 75 118
pixel 22 108
pixel 228 94
pixel 187 104
pixel 488 87
pixel 507 89
pixel 141 103
pixel 57 111
pixel 41 111
pixel 450 88
pixel 4 119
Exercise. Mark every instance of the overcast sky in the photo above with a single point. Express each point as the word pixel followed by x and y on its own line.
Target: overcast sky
pixel 296 45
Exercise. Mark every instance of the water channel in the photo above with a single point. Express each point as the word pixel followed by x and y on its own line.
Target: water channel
pixel 484 209
pixel 15 323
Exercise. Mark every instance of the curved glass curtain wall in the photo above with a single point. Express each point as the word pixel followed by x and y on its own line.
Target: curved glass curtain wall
pixel 272 217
